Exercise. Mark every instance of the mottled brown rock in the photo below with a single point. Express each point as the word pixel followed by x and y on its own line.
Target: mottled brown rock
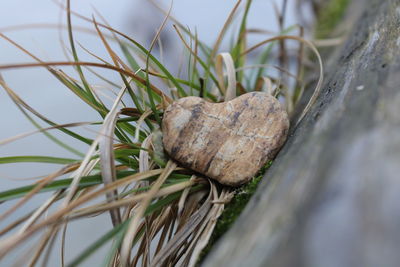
pixel 229 141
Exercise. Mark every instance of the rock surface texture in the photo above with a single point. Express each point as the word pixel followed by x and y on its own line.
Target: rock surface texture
pixel 229 141
pixel 331 197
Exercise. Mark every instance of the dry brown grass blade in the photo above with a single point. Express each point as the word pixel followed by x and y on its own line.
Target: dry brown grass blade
pixel 49 250
pixel 270 66
pixel 321 68
pixel 117 61
pixel 195 55
pixel 39 212
pixel 230 90
pixel 153 225
pixel 96 57
pixel 128 201
pixel 104 140
pixel 227 23
pixel 19 47
pixel 144 153
pixel 182 199
pixel 62 253
pixel 186 253
pixel 181 236
pixel 162 223
pixel 191 206
pixel 139 123
pixel 216 211
pixel 15 224
pixel 133 225
pixel 55 26
pixel 107 161
pixel 42 183
pixel 51 70
pixel 170 217
pixel 42 244
pixel 156 37
pixel 11 242
pixel 59 126
pixel 92 64
pixel 264 84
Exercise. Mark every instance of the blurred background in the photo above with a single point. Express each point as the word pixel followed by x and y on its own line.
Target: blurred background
pixel 39 26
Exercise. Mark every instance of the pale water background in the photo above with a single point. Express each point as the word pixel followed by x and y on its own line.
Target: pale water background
pixel 44 93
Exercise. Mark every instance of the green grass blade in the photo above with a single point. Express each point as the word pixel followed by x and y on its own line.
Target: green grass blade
pixel 241 43
pixel 37 159
pixel 152 58
pixel 75 55
pixel 50 136
pixel 131 60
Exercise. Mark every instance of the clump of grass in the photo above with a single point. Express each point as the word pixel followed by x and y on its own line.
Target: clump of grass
pixel 234 209
pixel 162 214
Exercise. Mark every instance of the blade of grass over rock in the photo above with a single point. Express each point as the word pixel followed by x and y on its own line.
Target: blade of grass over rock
pixel 264 56
pixel 135 43
pixel 229 91
pixel 190 83
pixel 117 61
pixel 240 45
pixel 201 62
pixel 205 49
pixel 228 22
pixel 149 92
pixel 221 35
pixel 146 52
pixel 195 75
pixel 321 69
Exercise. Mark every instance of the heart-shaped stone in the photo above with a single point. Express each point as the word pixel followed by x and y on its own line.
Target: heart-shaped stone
pixel 228 141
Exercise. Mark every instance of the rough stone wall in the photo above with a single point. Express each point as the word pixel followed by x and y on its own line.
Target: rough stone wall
pixel 332 196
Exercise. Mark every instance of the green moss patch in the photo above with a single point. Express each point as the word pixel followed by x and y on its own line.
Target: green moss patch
pixel 329 17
